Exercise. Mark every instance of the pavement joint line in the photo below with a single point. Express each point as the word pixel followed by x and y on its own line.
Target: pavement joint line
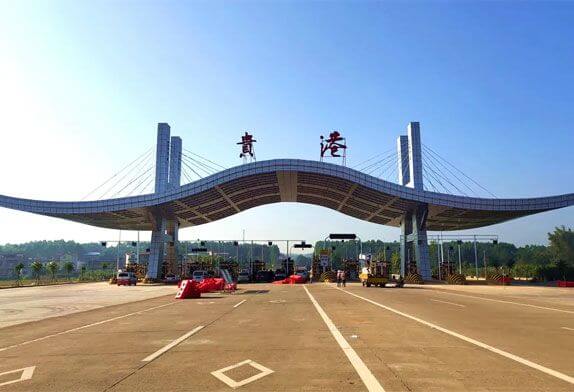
pixel 506 302
pixel 239 303
pixel 142 365
pixel 523 361
pixel 171 345
pixel 450 303
pixel 569 329
pixel 83 327
pixel 362 370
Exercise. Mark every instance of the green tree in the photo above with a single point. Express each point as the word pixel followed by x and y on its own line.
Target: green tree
pixel 105 266
pixel 18 268
pixel 37 268
pixel 68 268
pixel 52 268
pixel 562 245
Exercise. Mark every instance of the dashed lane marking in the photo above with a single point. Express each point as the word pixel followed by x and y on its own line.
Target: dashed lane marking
pixel 239 303
pixel 449 303
pixel 569 329
pixel 508 302
pixel 171 345
pixel 526 362
pixel 362 370
pixel 84 327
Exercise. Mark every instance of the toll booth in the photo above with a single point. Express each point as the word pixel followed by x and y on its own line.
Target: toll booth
pixel 232 266
pixel 287 265
pixel 316 267
pixel 352 269
pixel 256 266
pixel 139 269
pixel 446 268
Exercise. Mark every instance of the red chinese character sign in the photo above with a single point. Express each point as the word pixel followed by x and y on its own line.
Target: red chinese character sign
pixel 335 145
pixel 247 150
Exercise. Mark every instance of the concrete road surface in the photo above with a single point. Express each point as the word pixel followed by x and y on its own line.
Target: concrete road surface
pixel 300 338
pixel 20 305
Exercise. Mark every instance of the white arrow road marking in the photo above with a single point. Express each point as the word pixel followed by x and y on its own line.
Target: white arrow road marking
pixel 236 384
pixel 27 373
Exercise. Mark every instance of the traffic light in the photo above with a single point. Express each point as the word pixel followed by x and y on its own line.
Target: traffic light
pixel 134 243
pixel 270 243
pixel 104 243
pixel 235 243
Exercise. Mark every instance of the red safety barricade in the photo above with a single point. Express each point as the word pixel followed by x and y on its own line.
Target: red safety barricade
pixel 296 279
pixel 565 283
pixel 219 283
pixel 188 289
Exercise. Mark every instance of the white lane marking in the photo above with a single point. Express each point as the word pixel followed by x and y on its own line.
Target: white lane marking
pixel 569 329
pixel 450 303
pixel 236 384
pixel 171 345
pixel 239 303
pixel 83 327
pixel 362 370
pixel 495 350
pixel 27 374
pixel 508 302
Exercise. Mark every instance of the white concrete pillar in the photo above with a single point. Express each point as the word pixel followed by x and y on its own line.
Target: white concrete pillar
pixel 162 158
pixel 403 159
pixel 415 156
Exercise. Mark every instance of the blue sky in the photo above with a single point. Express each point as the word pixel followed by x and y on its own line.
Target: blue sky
pixel 83 85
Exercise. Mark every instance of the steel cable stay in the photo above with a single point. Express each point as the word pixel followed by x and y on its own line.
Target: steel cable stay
pixel 184 172
pixel 191 168
pixel 394 171
pixel 137 168
pixel 146 152
pixel 200 165
pixel 379 165
pixel 139 188
pixel 432 168
pixel 435 176
pixel 427 179
pixel 375 164
pixel 357 166
pixel 460 171
pixel 199 168
pixel 385 166
pixel 433 159
pixel 132 181
pixel 205 159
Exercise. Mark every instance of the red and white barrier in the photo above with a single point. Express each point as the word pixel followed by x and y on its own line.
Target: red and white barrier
pixel 188 289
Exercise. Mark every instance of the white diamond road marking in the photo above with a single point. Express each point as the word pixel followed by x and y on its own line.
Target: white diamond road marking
pixel 219 374
pixel 27 373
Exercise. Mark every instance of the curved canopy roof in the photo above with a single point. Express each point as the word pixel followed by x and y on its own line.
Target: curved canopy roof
pixel 289 180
